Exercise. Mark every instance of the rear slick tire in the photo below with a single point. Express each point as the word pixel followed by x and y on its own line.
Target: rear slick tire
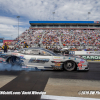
pixel 14 61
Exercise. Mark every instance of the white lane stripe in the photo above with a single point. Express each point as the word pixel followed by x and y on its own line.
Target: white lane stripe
pixel 52 97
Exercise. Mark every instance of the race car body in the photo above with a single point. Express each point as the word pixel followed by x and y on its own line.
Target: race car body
pixel 44 59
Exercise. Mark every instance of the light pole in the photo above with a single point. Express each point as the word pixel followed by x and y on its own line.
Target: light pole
pixel 53 15
pixel 18 27
pixel 88 15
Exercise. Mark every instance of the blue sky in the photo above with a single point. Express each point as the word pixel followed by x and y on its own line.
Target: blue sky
pixel 34 10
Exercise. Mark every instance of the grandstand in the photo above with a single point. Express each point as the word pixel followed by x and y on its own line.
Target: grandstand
pixel 76 34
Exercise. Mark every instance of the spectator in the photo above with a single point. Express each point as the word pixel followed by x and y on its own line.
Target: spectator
pixel 5 48
pixel 46 47
pixel 39 44
pixel 25 45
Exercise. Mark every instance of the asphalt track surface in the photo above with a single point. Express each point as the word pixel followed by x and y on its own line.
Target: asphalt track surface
pixel 37 80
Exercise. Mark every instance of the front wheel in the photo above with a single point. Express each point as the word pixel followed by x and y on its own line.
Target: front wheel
pixel 69 65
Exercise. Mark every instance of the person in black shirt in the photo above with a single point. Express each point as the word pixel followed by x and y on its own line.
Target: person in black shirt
pixel 38 44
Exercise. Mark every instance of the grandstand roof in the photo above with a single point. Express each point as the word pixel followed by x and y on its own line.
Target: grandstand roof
pixel 64 22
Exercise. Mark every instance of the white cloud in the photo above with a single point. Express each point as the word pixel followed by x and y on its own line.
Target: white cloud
pixel 9 27
pixel 42 10
pixel 10 21
pixel 64 9
pixel 9 31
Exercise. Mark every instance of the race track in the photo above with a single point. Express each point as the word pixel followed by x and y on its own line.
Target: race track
pixel 39 81
pixel 92 74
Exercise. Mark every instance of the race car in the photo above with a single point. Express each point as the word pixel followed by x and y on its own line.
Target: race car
pixel 43 59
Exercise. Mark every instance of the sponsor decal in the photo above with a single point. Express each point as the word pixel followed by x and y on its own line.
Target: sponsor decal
pixel 24 66
pixel 79 65
pixel 39 60
pixel 96 21
pixel 82 61
pixel 32 60
pixel 4 60
pixel 42 60
pixel 69 57
pixel 56 57
pixel 57 64
pixel 91 57
pixel 22 56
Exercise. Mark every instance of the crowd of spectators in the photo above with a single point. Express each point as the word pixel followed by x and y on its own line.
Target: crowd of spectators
pixel 80 37
pixel 30 37
pixel 50 38
pixel 65 37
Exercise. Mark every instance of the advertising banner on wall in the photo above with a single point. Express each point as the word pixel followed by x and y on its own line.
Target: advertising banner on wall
pixel 8 42
pixel 87 52
pixel 88 55
pixel 91 57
